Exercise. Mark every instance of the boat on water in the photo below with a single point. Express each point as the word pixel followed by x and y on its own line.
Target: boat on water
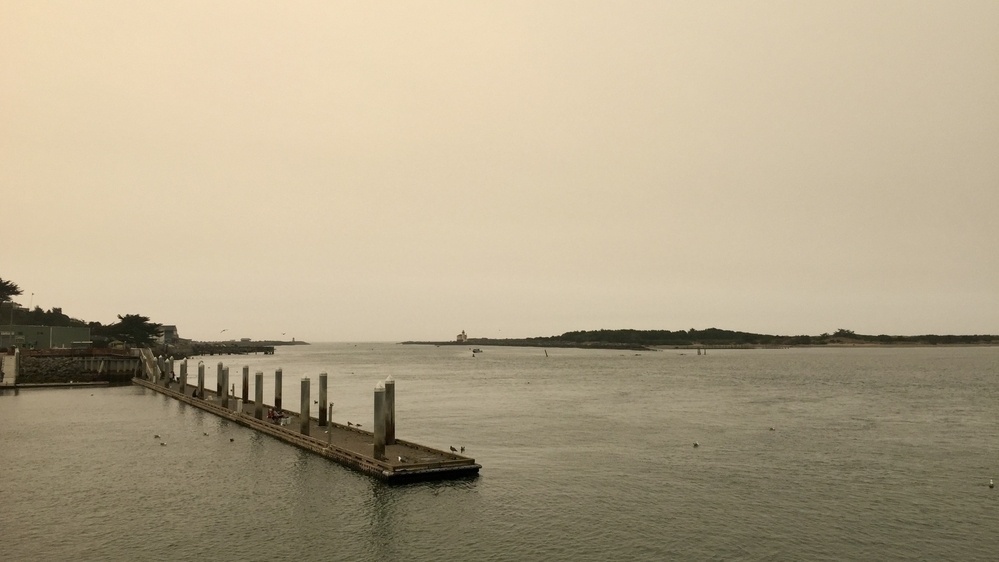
pixel 476 350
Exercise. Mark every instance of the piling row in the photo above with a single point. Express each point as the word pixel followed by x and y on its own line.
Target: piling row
pixel 376 453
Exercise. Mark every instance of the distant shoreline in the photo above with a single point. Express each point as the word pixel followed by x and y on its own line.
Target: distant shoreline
pixel 531 343
pixel 714 338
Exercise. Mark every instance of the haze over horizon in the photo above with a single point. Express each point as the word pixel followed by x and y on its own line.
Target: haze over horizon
pixel 392 171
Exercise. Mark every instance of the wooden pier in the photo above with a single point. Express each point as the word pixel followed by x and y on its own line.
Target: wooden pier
pixel 354 448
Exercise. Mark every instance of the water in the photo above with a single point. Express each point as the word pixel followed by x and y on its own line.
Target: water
pixel 587 455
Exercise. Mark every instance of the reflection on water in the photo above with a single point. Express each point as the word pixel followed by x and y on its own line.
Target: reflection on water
pixel 875 453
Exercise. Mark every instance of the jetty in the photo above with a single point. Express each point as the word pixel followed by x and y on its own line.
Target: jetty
pixel 377 453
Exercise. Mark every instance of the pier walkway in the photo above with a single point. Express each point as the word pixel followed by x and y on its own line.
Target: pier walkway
pixel 352 447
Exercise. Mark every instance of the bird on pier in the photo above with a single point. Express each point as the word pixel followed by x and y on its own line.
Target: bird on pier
pixel 350 424
pixel 357 425
pixel 453 450
pixel 402 459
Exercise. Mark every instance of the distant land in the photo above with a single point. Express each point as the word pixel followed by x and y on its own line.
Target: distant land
pixel 182 348
pixel 713 337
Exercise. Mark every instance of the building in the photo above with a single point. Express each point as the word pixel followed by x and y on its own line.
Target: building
pixel 169 334
pixel 44 337
pixel 462 337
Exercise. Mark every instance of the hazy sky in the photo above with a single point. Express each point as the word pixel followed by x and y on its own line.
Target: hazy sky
pixel 346 171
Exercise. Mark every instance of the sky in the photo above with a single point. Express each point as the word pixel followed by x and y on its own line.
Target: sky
pixel 388 171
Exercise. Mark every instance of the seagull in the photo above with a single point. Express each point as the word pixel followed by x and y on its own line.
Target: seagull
pixel 224 330
pixel 162 444
pixel 350 424
pixel 771 429
pixel 696 444
pixel 315 401
pixel 157 436
pixel 463 449
pixel 206 433
pixel 991 483
pixel 357 425
pixel 402 459
pixel 453 450
pixel 231 439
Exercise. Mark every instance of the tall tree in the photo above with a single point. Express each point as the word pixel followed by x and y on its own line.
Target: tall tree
pixel 8 290
pixel 133 329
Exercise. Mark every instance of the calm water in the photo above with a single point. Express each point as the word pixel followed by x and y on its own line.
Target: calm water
pixel 587 455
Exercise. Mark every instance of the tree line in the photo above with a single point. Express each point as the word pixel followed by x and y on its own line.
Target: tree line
pixel 719 337
pixel 132 329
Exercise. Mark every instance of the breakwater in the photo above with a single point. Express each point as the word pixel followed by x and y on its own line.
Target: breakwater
pixel 377 453
pixel 53 367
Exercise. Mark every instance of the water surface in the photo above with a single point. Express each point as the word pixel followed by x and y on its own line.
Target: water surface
pixel 876 453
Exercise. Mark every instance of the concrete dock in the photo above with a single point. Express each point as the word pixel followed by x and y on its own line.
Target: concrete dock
pixel 358 449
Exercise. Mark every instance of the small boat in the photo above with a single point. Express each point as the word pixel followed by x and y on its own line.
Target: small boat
pixel 476 350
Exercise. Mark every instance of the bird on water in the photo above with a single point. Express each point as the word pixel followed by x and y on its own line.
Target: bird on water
pixel 157 436
pixel 991 483
pixel 696 444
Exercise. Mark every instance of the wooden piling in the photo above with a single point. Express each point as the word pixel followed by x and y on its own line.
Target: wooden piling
pixel 246 384
pixel 277 389
pixel 258 395
pixel 303 415
pixel 219 389
pixel 322 399
pixel 379 425
pixel 389 410
pixel 224 384
pixel 201 379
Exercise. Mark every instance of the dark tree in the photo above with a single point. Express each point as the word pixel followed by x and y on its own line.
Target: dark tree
pixel 8 290
pixel 133 329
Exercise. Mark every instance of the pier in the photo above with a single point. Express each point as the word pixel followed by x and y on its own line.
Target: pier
pixel 377 453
